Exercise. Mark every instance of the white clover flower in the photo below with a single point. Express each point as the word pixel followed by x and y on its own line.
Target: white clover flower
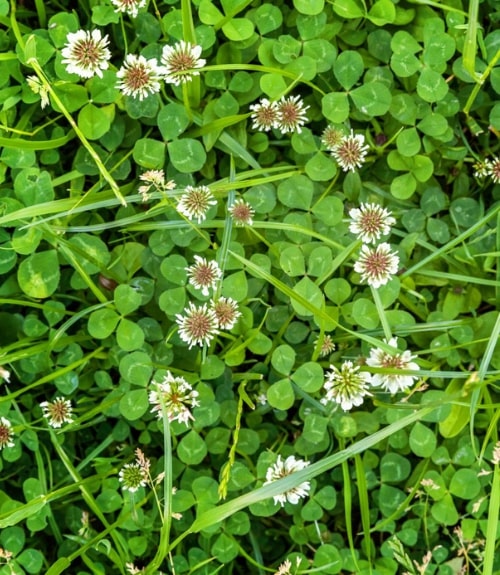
pixel 204 274
pixel 58 411
pixel 370 221
pixel 130 7
pixel 154 179
pixel 180 62
pixel 86 54
pixel 494 169
pixel 226 311
pixel 264 115
pixel 392 382
pixel 198 325
pixel 327 345
pixel 176 397
pixel 283 469
pixel 37 87
pixel 132 476
pixel 6 433
pixel 195 202
pixel 482 169
pixel 331 137
pixel 284 568
pixel 5 374
pixel 495 456
pixel 139 77
pixel 291 114
pixel 242 213
pixel 350 152
pixel 347 386
pixel 377 265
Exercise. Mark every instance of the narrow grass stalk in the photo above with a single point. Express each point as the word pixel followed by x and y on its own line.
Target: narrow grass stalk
pixel 493 522
pixel 470 44
pixel 348 506
pixel 120 545
pixel 364 504
pixel 33 62
pixel 381 314
pixel 164 543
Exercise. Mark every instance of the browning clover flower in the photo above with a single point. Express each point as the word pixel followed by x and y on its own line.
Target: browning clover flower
pixel 264 115
pixel 331 137
pixel 370 221
pixel 58 411
pixel 291 114
pixel 284 568
pixel 85 53
pixel 204 274
pixel 350 152
pixel 37 87
pixel 139 77
pixel 377 265
pixel 175 396
pixel 283 469
pixel 494 169
pixel 241 212
pixel 155 179
pixel 347 386
pixel 226 311
pixel 392 382
pixel 198 325
pixel 132 476
pixel 130 7
pixel 181 62
pixel 6 433
pixel 195 202
pixel 327 345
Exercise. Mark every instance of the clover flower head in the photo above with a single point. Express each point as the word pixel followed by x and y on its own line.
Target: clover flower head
pixel 37 87
pixel 195 202
pixel 181 62
pixel 392 382
pixel 198 325
pixel 350 152
pixel 331 137
pixel 132 477
pixel 86 53
pixel 291 114
pixel 154 179
pixel 482 168
pixel 346 386
pixel 226 311
pixel 130 7
pixel 204 274
pixel 370 221
pixel 58 411
pixel 327 345
pixel 139 77
pixel 494 169
pixel 175 397
pixel 264 115
pixel 241 212
pixel 282 469
pixel 4 374
pixel 495 456
pixel 6 433
pixel 377 265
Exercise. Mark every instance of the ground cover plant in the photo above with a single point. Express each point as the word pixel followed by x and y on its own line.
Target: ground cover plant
pixel 249 287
